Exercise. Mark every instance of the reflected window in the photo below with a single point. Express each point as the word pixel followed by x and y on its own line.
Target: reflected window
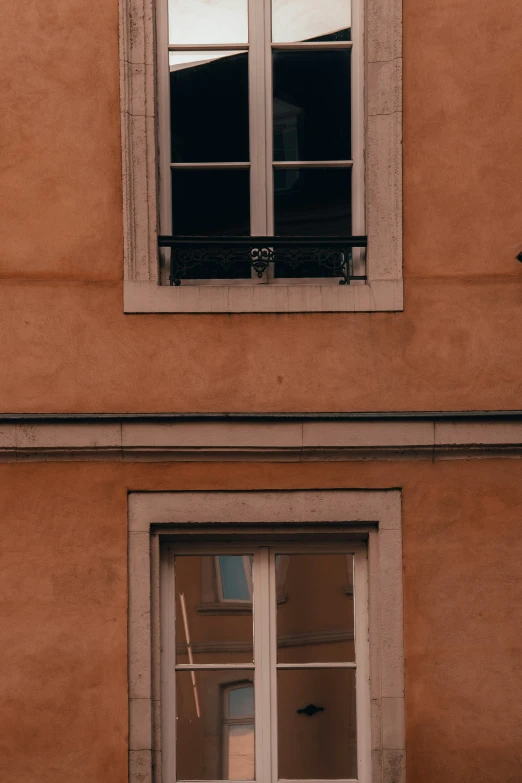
pixel 238 732
pixel 302 680
pixel 234 577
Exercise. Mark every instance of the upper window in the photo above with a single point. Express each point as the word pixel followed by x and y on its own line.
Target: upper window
pixel 260 136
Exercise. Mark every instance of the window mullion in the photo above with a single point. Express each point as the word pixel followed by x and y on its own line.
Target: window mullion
pixel 168 673
pixel 256 76
pixel 262 664
pixel 272 610
pixel 362 673
pixel 164 139
pixel 358 126
pixel 268 119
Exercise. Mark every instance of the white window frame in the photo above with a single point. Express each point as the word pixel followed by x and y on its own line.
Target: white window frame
pixel 265 667
pixel 378 138
pixel 370 516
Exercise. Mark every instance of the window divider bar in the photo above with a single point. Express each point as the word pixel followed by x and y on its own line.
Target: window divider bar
pixel 341 665
pixel 232 47
pixel 313 164
pixel 313 45
pixel 188 667
pixel 316 780
pixel 216 165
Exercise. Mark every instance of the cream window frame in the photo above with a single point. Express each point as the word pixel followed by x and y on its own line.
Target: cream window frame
pixel 370 516
pixel 266 667
pixel 380 139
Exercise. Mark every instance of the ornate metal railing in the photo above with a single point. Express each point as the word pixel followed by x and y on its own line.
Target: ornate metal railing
pixel 334 255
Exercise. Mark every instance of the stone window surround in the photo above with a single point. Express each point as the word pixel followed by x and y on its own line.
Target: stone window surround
pixel 374 516
pixel 383 165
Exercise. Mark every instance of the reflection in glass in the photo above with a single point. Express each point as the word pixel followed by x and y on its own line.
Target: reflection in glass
pixel 312 114
pixel 209 107
pixel 215 725
pixel 238 734
pixel 208 21
pixel 321 746
pixel 235 577
pixel 315 622
pixel 313 201
pixel 207 629
pixel 302 20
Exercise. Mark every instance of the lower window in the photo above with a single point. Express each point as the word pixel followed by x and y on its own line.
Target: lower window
pixel 273 684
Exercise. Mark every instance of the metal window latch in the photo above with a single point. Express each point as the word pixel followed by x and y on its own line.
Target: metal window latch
pixel 310 710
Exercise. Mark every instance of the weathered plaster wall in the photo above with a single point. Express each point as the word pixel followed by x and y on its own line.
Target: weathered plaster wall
pixel 63 598
pixel 65 340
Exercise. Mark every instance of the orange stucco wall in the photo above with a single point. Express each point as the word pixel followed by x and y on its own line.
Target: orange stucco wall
pixel 65 345
pixel 69 347
pixel 63 598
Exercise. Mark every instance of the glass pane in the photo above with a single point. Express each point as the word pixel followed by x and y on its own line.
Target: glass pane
pixel 208 21
pixel 236 577
pixel 308 20
pixel 208 630
pixel 211 202
pixel 316 724
pixel 312 111
pixel 313 202
pixel 315 617
pixel 205 86
pixel 211 744
pixel 239 752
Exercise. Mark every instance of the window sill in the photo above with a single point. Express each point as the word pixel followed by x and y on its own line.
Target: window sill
pixel 375 296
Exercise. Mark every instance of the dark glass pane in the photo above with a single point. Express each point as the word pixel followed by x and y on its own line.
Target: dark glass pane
pixel 212 203
pixel 305 20
pixel 217 625
pixel 312 113
pixel 321 745
pixel 312 202
pixel 315 620
pixel 215 725
pixel 201 22
pixel 209 107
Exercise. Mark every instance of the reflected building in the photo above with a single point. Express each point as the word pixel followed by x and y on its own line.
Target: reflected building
pixel 215 600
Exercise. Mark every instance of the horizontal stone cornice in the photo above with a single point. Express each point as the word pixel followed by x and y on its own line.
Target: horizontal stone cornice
pixel 267 437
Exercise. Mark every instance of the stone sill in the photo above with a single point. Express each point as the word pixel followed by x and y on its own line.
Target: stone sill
pixel 376 296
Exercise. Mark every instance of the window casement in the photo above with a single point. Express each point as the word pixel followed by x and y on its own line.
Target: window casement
pixel 277 693
pixel 261 155
pixel 261 129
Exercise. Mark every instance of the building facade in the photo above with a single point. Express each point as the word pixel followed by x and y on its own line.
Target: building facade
pixel 261 431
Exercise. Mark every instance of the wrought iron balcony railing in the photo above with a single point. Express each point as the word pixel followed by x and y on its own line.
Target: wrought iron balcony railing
pixel 333 255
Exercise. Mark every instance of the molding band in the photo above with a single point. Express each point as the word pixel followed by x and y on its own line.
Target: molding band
pixel 313 437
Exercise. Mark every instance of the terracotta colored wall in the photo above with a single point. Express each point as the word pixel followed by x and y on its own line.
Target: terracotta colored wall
pixel 66 343
pixel 63 596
